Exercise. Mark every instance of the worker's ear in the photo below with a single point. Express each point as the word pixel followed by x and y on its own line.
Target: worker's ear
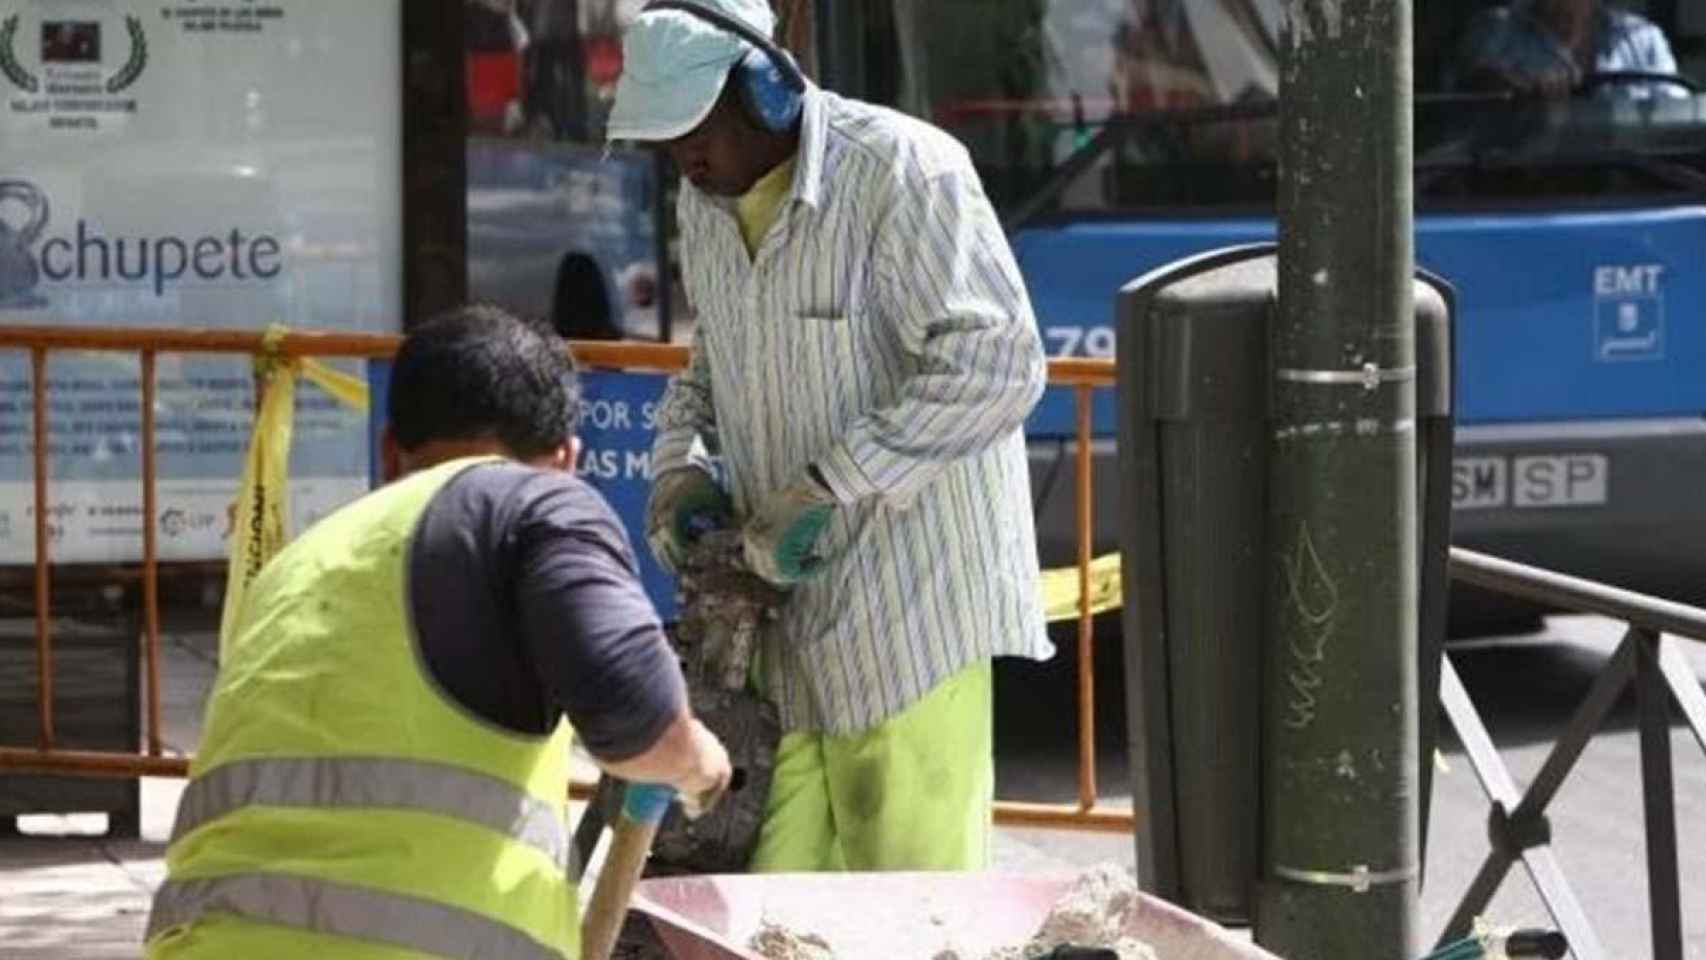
pixel 390 456
pixel 565 456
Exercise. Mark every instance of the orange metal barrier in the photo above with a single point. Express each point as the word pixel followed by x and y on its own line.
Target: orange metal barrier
pixel 1084 375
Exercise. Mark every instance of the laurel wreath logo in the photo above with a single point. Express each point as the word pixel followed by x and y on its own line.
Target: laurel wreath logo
pixel 30 83
pixel 9 64
pixel 132 68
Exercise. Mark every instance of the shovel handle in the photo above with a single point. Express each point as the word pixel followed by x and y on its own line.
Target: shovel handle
pixel 643 807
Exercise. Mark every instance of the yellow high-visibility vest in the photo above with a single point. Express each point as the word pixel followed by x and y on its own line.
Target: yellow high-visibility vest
pixel 342 806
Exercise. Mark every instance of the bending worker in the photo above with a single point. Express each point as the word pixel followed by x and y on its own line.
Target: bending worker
pixel 864 358
pixel 383 772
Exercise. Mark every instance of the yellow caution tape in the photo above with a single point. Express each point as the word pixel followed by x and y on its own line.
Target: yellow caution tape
pixel 347 389
pixel 260 521
pixel 1060 589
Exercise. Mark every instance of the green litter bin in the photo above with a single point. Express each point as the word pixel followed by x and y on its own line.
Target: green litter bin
pixel 1194 437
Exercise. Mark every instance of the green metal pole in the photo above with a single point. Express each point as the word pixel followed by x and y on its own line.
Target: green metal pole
pixel 1339 735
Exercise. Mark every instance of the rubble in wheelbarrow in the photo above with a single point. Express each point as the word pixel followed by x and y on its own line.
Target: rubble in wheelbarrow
pixel 776 942
pixel 1092 914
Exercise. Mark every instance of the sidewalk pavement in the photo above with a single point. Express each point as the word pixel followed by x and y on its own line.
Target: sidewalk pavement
pixel 79 898
pixel 67 893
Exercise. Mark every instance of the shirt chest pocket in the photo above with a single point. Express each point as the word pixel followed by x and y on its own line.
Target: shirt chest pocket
pixel 826 321
pixel 819 340
pixel 825 272
pixel 832 297
pixel 820 294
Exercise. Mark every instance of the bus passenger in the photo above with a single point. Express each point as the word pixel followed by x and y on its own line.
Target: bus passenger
pixel 1550 47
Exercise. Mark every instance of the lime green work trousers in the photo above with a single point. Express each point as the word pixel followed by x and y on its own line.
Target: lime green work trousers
pixel 912 794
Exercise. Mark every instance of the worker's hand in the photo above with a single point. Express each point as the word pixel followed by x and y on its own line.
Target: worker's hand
pixel 684 503
pixel 686 758
pixel 780 540
pixel 709 776
pixel 649 802
pixel 696 805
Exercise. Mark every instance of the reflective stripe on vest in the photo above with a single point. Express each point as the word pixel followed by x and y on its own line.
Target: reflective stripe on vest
pixel 338 909
pixel 375 783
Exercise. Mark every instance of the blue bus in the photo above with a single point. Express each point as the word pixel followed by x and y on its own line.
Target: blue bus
pixel 1119 135
pixel 1116 136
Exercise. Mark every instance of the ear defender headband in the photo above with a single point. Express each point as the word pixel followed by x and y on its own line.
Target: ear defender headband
pixel 767 82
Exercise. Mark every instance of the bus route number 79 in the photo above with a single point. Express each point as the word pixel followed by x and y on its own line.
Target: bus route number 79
pixel 1079 341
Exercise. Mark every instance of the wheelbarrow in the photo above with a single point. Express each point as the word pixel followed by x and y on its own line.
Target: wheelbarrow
pixel 898 916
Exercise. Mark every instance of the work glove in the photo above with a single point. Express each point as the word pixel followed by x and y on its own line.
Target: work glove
pixel 685 503
pixel 780 540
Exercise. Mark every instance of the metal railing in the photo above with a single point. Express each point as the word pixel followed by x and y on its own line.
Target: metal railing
pixel 1083 375
pixel 1517 824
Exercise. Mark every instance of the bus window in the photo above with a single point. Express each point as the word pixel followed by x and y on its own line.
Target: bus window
pixel 1688 39
pixel 1172 104
pixel 561 226
pixel 1560 161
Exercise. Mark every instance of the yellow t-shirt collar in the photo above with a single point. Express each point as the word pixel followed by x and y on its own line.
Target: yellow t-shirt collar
pixel 757 208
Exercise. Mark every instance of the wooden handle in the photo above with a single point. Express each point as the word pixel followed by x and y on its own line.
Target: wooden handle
pixel 630 845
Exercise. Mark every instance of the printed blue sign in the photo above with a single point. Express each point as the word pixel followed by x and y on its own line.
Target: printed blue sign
pixel 378 389
pixel 618 413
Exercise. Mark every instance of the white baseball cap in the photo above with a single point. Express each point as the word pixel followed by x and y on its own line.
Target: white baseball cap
pixel 674 65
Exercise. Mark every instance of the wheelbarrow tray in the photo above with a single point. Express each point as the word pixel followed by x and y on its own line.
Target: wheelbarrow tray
pixel 899 916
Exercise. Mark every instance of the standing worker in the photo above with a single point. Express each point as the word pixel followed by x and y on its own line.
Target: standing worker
pixel 864 359
pixel 383 771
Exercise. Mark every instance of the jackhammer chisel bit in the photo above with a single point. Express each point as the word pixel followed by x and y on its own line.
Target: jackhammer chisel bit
pixel 723 610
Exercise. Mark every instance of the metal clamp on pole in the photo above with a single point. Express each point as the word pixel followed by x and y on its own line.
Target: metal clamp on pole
pixel 1369 377
pixel 1360 878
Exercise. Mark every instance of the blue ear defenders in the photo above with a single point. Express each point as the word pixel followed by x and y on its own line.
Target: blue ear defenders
pixel 767 82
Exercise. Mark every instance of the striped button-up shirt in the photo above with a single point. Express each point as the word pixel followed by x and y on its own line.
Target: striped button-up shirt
pixel 881 332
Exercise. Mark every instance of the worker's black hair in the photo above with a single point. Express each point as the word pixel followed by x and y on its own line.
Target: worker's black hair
pixel 479 371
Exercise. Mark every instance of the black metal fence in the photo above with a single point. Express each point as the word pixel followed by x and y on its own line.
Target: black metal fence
pixel 1650 659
